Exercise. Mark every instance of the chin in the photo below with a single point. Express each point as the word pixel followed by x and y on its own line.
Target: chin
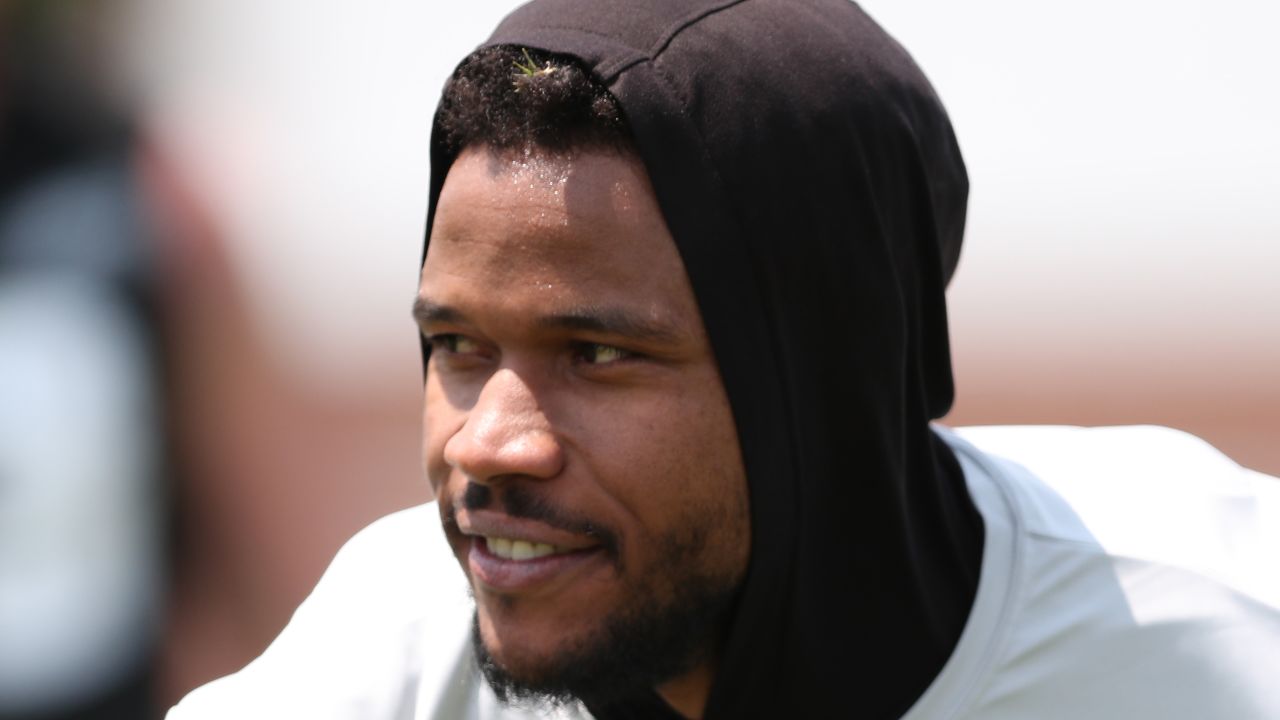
pixel 526 668
pixel 528 647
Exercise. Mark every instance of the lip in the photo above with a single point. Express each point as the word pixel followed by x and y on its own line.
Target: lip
pixel 495 524
pixel 505 576
pixel 527 576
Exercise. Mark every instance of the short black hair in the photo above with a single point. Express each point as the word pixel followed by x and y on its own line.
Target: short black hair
pixel 509 97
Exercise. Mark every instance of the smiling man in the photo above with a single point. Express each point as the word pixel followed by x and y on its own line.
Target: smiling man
pixel 578 436
pixel 683 315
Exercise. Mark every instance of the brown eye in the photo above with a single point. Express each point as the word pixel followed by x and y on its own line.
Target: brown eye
pixel 597 354
pixel 453 344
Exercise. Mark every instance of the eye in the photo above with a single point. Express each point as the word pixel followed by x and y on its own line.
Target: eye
pixel 453 344
pixel 597 354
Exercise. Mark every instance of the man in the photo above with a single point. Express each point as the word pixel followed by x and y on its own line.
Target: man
pixel 684 320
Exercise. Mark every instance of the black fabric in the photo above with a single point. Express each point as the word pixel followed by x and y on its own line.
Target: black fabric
pixel 816 193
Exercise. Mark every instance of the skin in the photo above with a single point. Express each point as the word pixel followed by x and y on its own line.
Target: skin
pixel 569 359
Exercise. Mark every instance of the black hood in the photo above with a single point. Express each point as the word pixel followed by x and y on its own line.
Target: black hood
pixel 816 194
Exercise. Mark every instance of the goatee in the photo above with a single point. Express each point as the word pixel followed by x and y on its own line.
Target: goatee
pixel 637 649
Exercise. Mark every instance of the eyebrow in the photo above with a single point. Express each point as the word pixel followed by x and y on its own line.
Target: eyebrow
pixel 603 320
pixel 425 312
pixel 613 321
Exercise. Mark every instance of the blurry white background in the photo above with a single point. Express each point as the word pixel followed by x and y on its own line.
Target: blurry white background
pixel 1124 233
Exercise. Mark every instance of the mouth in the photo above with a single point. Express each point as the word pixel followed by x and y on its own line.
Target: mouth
pixel 510 556
pixel 519 550
pixel 509 566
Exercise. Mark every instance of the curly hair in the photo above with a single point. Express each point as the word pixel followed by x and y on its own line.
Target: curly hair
pixel 508 97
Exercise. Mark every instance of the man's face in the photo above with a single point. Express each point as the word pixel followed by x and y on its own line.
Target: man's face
pixel 577 432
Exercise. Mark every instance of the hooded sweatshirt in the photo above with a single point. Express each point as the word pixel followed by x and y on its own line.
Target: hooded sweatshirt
pixel 816 194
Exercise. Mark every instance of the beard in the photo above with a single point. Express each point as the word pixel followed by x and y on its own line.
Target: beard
pixel 648 641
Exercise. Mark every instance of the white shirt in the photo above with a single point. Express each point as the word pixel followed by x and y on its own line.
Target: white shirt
pixel 1127 573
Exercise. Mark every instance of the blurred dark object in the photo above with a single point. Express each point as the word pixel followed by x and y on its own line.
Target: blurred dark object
pixel 81 441
pixel 54 108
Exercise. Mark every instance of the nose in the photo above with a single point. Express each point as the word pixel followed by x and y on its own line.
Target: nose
pixel 506 433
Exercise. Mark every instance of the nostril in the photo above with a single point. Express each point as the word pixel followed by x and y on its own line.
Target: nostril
pixel 477 496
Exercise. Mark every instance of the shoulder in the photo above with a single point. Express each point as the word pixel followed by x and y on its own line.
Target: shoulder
pixel 391 611
pixel 1145 493
pixel 1148 446
pixel 1141 580
pixel 1142 452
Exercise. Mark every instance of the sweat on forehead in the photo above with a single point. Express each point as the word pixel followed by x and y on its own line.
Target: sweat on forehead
pixel 548 188
pixel 581 227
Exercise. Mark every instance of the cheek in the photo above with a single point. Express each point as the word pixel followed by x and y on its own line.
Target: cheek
pixel 675 460
pixel 714 485
pixel 440 421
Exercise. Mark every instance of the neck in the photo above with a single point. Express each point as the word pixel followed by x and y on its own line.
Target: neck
pixel 688 693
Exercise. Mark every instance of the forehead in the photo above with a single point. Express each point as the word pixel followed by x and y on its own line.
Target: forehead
pixel 552 228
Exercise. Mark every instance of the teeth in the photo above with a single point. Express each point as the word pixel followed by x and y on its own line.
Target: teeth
pixel 500 547
pixel 519 549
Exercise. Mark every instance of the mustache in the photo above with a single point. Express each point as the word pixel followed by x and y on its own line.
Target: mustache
pixel 519 501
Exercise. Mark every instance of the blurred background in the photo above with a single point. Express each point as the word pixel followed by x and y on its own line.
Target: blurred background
pixel 210 225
